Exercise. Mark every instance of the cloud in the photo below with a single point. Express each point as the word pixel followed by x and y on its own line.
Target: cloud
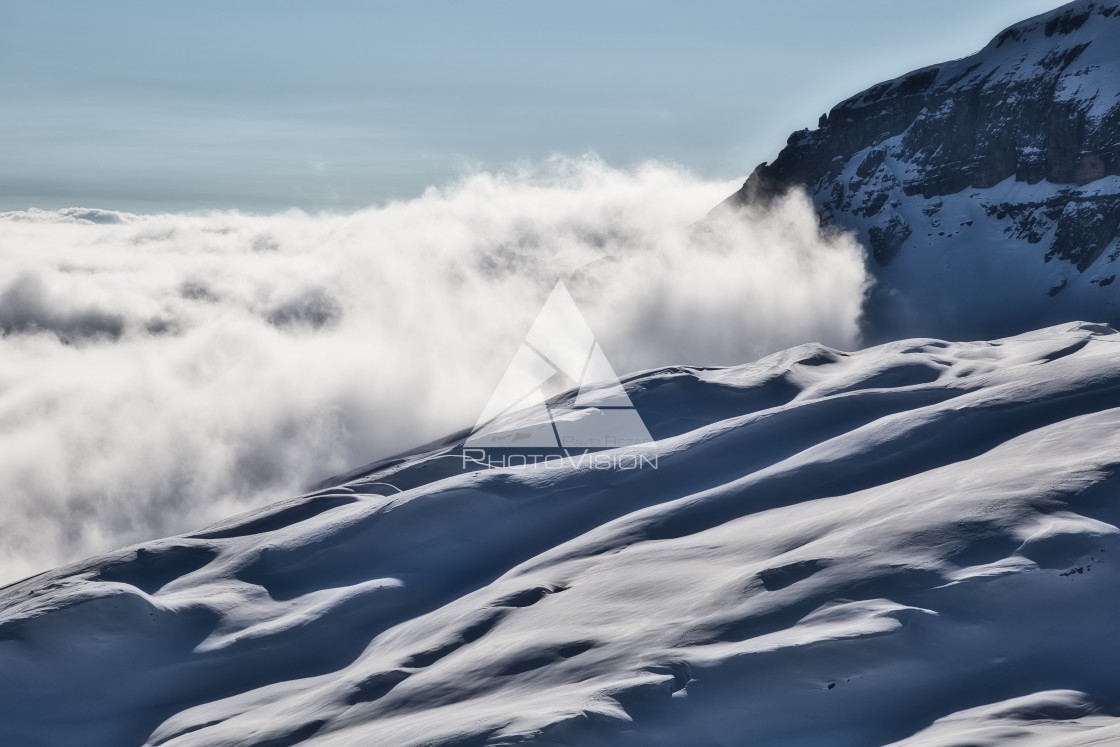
pixel 161 372
pixel 27 304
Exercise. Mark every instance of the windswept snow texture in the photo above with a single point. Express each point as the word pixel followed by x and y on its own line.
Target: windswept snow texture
pixel 914 544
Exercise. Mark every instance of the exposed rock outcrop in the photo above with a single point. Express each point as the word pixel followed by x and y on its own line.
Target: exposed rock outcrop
pixel 1005 163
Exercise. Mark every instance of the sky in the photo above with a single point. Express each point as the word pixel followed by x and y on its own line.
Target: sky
pixel 260 106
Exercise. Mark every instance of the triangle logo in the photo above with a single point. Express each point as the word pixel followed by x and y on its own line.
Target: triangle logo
pixel 559 349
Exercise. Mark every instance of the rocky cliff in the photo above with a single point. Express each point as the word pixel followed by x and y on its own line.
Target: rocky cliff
pixel 987 189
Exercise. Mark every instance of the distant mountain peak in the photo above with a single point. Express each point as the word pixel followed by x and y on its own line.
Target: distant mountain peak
pixel 1003 166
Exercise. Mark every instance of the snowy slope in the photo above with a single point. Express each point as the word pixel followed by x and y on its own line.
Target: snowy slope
pixel 910 544
pixel 997 170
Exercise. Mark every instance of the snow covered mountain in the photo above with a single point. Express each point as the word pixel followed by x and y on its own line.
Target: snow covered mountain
pixel 914 544
pixel 987 188
pixel 911 544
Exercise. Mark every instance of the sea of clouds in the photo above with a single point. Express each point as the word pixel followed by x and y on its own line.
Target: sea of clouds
pixel 160 372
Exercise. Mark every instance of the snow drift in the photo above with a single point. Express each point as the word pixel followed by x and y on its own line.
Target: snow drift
pixel 911 544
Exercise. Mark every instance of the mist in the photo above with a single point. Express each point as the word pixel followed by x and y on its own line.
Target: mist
pixel 160 372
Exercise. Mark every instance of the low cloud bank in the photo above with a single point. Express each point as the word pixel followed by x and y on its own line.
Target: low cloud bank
pixel 161 372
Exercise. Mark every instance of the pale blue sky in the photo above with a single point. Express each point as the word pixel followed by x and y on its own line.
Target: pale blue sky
pixel 265 104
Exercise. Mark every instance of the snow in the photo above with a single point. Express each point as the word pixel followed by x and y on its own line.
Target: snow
pixel 1021 51
pixel 958 252
pixel 1050 247
pixel 909 544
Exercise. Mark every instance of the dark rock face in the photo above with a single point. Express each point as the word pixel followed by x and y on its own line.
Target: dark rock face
pixel 886 241
pixel 1024 136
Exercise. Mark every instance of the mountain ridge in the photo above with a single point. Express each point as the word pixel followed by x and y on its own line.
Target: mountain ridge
pixel 1002 167
pixel 837 547
pixel 911 544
